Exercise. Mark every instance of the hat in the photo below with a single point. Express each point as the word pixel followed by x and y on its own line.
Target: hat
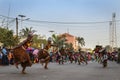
pixel 49 39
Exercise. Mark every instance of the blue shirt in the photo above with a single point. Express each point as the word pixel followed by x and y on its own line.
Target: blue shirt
pixel 4 51
pixel 0 55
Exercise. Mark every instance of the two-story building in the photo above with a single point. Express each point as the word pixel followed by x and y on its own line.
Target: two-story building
pixel 71 39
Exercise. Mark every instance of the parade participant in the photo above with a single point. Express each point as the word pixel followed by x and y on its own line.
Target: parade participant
pixel 104 57
pixel 20 55
pixel 25 44
pixel 49 44
pixel 10 57
pixel 43 54
pixel 118 59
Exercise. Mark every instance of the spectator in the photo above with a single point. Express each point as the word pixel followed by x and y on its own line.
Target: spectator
pixel 4 57
pixel 118 56
pixel 0 56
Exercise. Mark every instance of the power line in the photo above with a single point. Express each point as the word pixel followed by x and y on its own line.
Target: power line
pixel 7 17
pixel 4 22
pixel 56 22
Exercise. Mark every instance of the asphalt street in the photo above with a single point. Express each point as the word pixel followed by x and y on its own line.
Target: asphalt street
pixel 68 71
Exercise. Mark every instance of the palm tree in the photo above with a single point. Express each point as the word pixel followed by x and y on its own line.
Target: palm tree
pixel 81 41
pixel 59 41
pixel 24 32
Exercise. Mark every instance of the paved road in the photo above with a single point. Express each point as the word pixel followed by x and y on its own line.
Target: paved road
pixel 92 71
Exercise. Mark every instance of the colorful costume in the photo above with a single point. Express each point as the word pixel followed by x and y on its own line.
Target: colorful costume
pixel 20 55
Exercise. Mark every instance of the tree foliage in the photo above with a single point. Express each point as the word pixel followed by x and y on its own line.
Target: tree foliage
pixel 25 31
pixel 69 46
pixel 7 37
pixel 59 41
pixel 81 41
pixel 38 40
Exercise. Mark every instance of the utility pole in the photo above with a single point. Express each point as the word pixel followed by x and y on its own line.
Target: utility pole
pixel 17 27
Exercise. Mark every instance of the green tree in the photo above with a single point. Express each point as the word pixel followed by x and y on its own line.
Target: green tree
pixel 24 32
pixel 7 38
pixel 59 41
pixel 38 40
pixel 81 41
pixel 69 46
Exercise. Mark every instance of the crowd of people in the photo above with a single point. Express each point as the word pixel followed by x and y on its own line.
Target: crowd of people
pixel 83 57
pixel 6 56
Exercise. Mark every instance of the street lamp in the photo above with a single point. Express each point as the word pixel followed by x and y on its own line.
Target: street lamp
pixel 51 31
pixel 22 16
pixel 26 19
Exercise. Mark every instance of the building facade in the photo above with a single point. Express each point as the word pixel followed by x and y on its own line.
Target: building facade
pixel 71 39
